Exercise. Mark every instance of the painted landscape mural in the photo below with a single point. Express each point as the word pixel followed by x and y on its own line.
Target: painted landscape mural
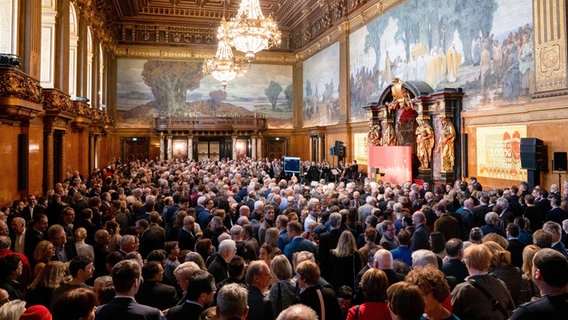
pixel 484 47
pixel 147 89
pixel 321 88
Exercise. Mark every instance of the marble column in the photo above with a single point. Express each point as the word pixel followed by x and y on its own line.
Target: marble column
pixel 170 147
pixel 48 179
pixel 234 147
pixel 253 147
pixel 162 147
pixel 189 147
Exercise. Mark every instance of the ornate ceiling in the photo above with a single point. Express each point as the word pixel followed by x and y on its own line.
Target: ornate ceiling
pixel 186 23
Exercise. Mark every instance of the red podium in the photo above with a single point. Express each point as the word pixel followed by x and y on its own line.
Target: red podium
pixel 394 163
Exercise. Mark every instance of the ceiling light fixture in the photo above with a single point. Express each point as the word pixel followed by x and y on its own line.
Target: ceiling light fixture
pixel 224 66
pixel 249 31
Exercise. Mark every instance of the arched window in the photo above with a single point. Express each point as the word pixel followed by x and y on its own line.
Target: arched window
pixel 9 26
pixel 73 43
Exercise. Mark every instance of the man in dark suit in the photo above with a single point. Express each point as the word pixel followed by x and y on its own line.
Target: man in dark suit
pixel 421 236
pixel 86 222
pixel 480 211
pixel 328 241
pixel 258 279
pixel 454 267
pixel 35 234
pixel 297 243
pixel 126 280
pixel 201 294
pixel 29 212
pixel 186 236
pixel 219 267
pixel 101 250
pixel 383 261
pixel 151 237
pixel 555 231
pixel 64 251
pixel 153 292
pixel 556 214
pixel 515 246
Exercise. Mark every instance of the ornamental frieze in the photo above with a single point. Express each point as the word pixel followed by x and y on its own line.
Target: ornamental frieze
pixel 16 84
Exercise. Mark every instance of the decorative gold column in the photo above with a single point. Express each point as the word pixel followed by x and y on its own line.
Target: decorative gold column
pixel 63 155
pixel 162 146
pixel 170 147
pixel 550 47
pixel 234 137
pixel 48 179
pixel 253 147
pixel 344 107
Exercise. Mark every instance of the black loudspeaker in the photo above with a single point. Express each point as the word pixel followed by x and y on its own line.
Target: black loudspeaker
pixel 560 160
pixel 339 150
pixel 23 161
pixel 464 155
pixel 533 154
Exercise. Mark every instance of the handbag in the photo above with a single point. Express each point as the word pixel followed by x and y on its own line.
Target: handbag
pixel 494 302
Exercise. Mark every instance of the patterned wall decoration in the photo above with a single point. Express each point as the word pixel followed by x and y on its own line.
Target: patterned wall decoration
pixel 485 47
pixel 149 88
pixel 321 88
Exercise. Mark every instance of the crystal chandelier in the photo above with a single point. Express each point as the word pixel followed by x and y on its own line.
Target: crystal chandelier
pixel 224 66
pixel 249 31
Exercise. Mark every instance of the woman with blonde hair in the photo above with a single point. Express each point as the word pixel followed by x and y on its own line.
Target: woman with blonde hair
pixel 502 268
pixel 374 284
pixel 271 236
pixel 529 289
pixel 51 277
pixel 43 253
pixel 283 292
pixel 344 262
pixel 83 249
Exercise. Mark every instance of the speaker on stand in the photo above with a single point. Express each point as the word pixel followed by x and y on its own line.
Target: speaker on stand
pixel 559 165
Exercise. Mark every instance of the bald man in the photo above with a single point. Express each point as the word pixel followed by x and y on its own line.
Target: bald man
pixel 383 261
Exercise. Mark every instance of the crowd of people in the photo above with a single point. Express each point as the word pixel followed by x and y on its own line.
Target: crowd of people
pixel 233 240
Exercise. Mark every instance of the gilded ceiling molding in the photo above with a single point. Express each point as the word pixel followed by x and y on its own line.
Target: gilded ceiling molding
pixel 88 10
pixel 196 54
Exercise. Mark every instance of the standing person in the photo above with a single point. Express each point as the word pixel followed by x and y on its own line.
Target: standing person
pixel 126 280
pixel 153 292
pixel 51 277
pixel 232 302
pixel 550 273
pixel 297 243
pixel 344 262
pixel 473 298
pixel 283 293
pixel 421 235
pixel 435 289
pixel 321 300
pixel 258 279
pixel 405 301
pixel 198 298
pixel 75 304
pixel 374 284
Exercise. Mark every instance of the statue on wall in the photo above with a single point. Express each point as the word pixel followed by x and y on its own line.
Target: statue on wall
pixel 424 143
pixel 453 60
pixel 446 144
pixel 374 135
pixel 389 135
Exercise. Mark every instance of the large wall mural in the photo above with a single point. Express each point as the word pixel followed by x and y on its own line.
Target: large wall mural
pixel 321 88
pixel 484 47
pixel 147 89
